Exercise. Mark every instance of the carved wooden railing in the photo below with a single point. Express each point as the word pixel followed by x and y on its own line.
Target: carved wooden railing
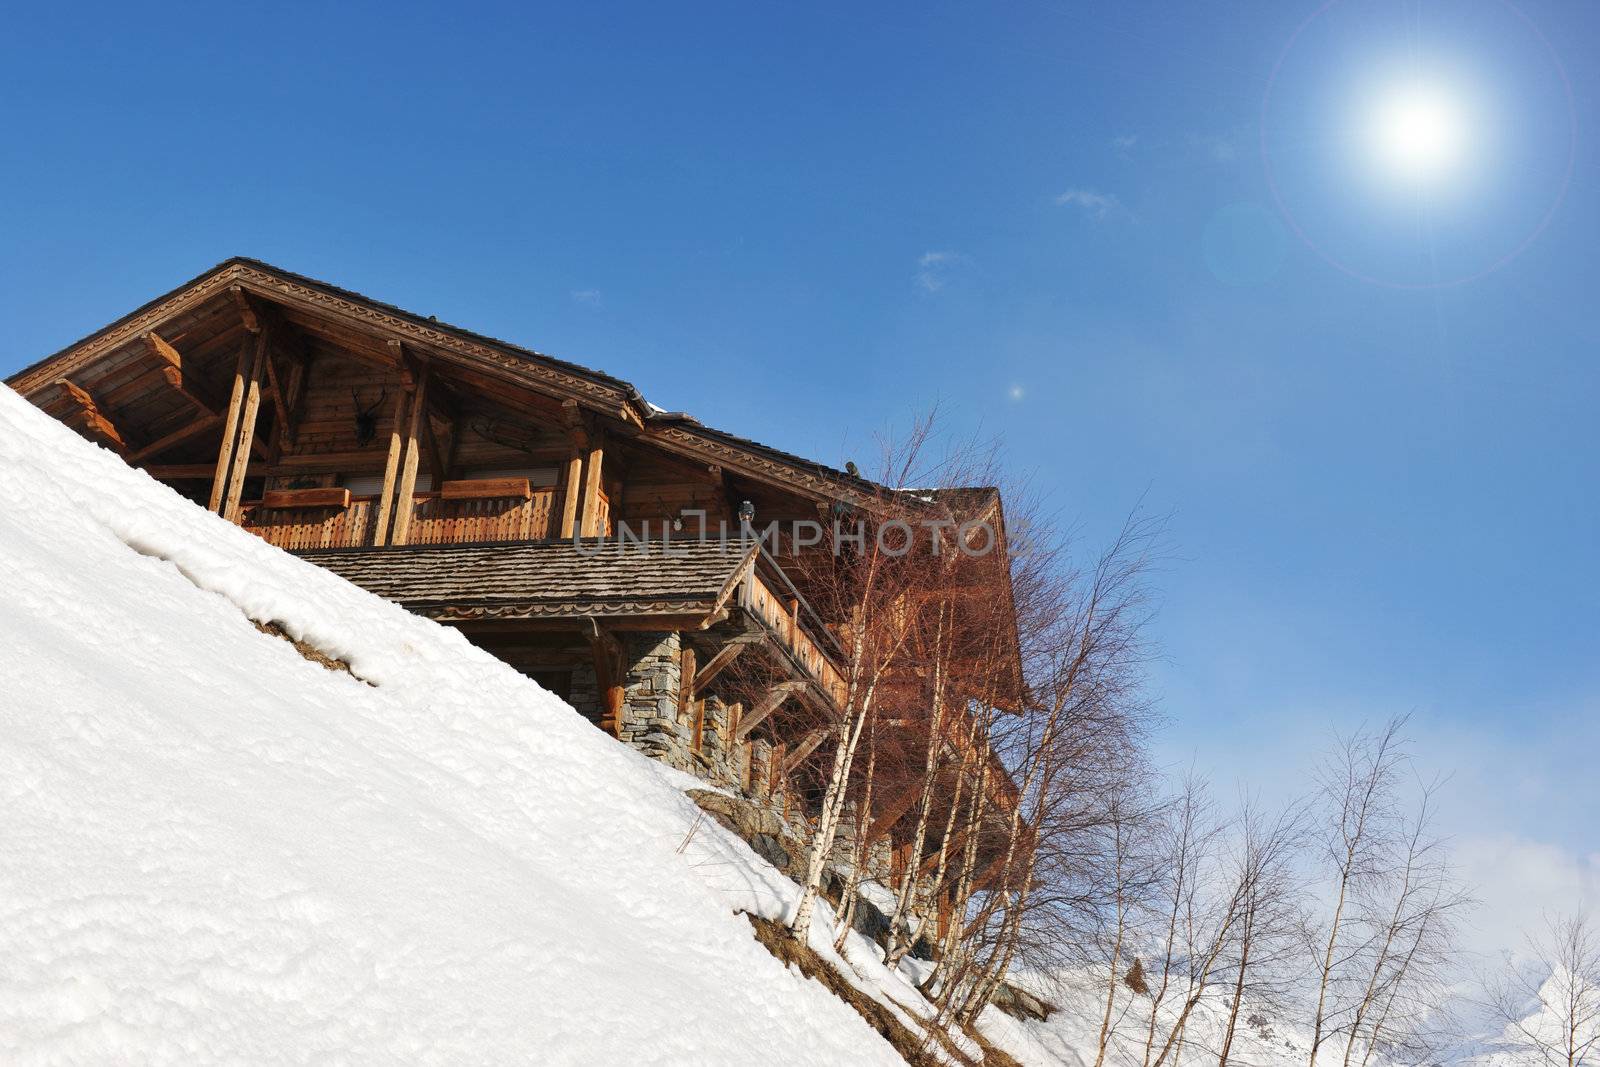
pixel 311 527
pixel 781 616
pixel 434 521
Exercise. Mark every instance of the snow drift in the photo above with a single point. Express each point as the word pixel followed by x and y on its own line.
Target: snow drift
pixel 213 849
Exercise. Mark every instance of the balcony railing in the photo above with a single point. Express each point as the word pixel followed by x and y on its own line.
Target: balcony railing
pixel 434 521
pixel 781 616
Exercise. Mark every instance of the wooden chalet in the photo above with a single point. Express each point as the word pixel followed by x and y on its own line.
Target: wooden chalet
pixel 476 482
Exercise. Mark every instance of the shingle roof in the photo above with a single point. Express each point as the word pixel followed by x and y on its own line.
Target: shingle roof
pixel 552 578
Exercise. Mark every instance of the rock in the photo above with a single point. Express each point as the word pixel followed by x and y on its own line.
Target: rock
pixel 761 829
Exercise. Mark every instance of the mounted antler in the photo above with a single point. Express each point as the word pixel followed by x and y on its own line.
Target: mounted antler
pixel 367 418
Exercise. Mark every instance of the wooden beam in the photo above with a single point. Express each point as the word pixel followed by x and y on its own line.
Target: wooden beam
pixel 725 655
pixel 591 491
pixel 163 352
pixel 685 681
pixel 569 500
pixel 406 492
pixel 769 703
pixel 170 362
pixel 895 811
pixel 803 750
pixel 176 437
pixel 572 420
pixel 607 652
pixel 775 774
pixel 578 437
pixel 247 311
pixel 285 438
pixel 247 431
pixel 193 472
pixel 85 416
pixel 434 455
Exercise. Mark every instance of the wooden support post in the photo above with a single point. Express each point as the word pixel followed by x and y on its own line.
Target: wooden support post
pixel 776 696
pixel 725 655
pixel 686 659
pixel 283 440
pixel 391 467
pixel 405 502
pixel 434 454
pixel 578 436
pixel 775 772
pixel 894 811
pixel 804 749
pixel 247 431
pixel 608 672
pixel 698 731
pixel 569 497
pixel 591 492
pixel 243 367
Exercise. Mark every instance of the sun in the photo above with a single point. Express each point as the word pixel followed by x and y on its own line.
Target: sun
pixel 1419 132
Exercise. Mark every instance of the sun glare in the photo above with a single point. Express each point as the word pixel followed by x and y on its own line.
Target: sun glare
pixel 1419 132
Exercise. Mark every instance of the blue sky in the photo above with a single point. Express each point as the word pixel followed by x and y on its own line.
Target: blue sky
pixel 805 222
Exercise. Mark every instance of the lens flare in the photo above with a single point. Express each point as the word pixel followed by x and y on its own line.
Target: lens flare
pixel 1419 132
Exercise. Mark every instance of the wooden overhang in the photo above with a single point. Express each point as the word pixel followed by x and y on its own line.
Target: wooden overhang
pixel 688 584
pixel 258 293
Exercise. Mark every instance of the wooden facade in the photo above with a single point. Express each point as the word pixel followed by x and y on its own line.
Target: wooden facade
pixel 367 437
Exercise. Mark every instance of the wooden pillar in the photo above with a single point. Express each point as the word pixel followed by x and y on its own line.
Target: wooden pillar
pixel 591 492
pixel 686 661
pixel 242 369
pixel 391 467
pixel 405 503
pixel 247 430
pixel 569 498
pixel 775 768
pixel 608 672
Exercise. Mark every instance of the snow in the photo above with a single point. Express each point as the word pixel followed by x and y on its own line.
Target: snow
pixel 214 850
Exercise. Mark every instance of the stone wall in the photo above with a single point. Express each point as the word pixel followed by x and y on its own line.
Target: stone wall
pixel 650 720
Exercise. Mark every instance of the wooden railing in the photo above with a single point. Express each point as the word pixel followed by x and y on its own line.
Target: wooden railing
pixel 311 527
pixel 780 615
pixel 434 521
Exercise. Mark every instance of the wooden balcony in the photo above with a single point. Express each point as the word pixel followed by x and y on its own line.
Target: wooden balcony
pixel 435 519
pixel 779 610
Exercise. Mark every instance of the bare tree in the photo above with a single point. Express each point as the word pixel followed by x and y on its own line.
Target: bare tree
pixel 1383 951
pixel 868 589
pixel 1358 784
pixel 1267 851
pixel 1187 833
pixel 1554 1008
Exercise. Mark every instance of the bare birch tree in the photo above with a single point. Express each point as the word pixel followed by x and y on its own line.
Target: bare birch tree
pixel 1553 1009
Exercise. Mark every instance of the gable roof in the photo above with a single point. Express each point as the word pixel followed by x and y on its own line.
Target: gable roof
pixel 593 389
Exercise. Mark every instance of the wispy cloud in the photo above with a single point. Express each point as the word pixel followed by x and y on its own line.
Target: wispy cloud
pixel 934 269
pixel 1123 143
pixel 586 297
pixel 1095 204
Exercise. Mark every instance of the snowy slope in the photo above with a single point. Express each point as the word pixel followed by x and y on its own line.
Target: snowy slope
pixel 212 849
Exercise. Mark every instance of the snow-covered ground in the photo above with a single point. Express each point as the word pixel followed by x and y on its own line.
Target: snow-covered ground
pixel 212 849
